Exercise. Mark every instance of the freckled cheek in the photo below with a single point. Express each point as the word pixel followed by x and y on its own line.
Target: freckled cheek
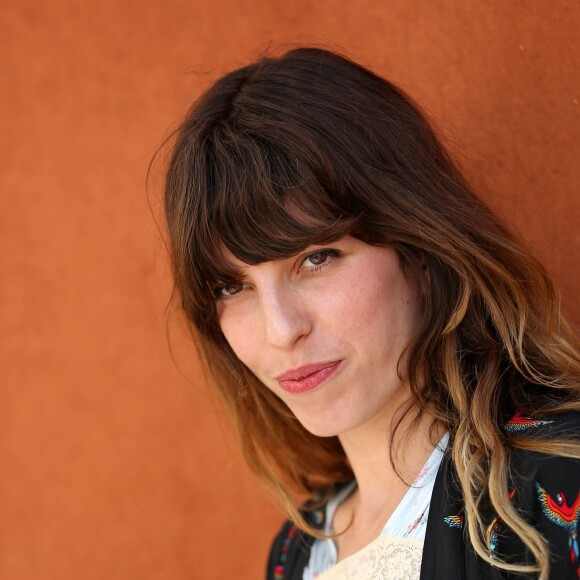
pixel 242 338
pixel 374 310
pixel 362 300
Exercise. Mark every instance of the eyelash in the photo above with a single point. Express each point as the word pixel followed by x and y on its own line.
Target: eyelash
pixel 329 253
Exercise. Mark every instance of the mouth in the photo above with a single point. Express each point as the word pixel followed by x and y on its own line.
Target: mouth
pixel 308 377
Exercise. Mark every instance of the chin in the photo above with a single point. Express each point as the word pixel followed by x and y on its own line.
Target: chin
pixel 326 428
pixel 322 431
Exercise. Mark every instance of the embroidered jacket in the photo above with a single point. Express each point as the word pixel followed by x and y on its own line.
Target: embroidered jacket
pixel 545 490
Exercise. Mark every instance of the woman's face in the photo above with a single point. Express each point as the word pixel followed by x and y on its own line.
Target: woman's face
pixel 324 330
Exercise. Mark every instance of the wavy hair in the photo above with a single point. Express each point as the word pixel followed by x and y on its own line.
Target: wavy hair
pixel 308 147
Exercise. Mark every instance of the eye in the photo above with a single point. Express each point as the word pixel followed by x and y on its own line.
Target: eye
pixel 318 259
pixel 229 289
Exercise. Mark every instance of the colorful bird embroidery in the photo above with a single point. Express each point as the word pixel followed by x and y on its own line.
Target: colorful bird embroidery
pixel 519 423
pixel 566 516
pixel 454 521
pixel 491 535
pixel 492 532
pixel 279 569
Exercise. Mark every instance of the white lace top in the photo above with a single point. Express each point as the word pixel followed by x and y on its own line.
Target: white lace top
pixel 396 553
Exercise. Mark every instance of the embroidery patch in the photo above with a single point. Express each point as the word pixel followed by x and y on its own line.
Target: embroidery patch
pixel 454 521
pixel 519 423
pixel 491 535
pixel 492 532
pixel 279 569
pixel 566 516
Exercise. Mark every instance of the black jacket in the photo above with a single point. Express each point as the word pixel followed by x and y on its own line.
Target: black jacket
pixel 544 489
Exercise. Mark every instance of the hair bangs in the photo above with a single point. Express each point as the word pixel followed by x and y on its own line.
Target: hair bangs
pixel 262 206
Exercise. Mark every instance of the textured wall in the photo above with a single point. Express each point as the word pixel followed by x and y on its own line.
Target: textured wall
pixel 113 462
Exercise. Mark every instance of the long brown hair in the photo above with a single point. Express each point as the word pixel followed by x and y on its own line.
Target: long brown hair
pixel 306 148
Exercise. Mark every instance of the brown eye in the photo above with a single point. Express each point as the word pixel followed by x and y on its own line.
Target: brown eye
pixel 318 258
pixel 229 289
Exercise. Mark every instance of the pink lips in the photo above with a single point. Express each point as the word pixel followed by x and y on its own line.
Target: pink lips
pixel 307 377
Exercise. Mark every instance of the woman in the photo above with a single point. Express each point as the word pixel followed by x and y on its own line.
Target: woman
pixel 384 345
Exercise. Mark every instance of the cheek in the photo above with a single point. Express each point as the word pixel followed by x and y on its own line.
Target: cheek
pixel 237 330
pixel 380 309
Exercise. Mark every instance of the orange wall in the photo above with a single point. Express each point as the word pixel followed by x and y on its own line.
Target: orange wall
pixel 113 463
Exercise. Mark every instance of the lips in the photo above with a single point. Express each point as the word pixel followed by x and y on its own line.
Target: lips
pixel 307 377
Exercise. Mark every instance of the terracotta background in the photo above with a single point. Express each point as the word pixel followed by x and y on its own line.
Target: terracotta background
pixel 113 462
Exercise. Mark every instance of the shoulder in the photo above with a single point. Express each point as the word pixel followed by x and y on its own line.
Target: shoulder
pixel 541 451
pixel 533 459
pixel 545 487
pixel 561 425
pixel 291 546
pixel 278 561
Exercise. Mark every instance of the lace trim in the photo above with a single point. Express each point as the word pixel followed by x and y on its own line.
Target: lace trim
pixel 387 557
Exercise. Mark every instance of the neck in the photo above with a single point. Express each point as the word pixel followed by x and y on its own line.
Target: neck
pixel 367 447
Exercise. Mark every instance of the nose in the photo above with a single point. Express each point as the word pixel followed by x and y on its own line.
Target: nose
pixel 286 316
